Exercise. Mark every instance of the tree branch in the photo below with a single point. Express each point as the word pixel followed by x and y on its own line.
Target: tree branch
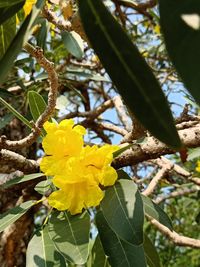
pixel 53 78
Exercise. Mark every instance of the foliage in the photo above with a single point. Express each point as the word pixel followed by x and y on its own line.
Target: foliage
pixel 94 215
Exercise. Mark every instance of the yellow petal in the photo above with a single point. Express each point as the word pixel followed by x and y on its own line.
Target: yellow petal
pixel 76 197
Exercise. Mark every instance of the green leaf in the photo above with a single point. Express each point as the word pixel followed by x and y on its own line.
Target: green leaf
pixel 156 212
pixel 121 150
pixel 19 40
pixel 193 153
pixel 99 258
pixel 70 234
pixel 14 214
pixel 123 175
pixel 8 12
pixel 8 3
pixel 129 71
pixel 151 254
pixel 123 209
pixel 7 31
pixel 36 103
pixel 22 179
pixel 42 253
pixel 16 113
pixel 73 43
pixel 43 186
pixel 181 28
pixel 119 252
pixel 42 34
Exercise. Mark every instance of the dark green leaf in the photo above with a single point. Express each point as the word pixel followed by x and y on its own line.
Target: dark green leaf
pixel 36 103
pixel 121 150
pixel 42 253
pixel 74 43
pixel 8 12
pixel 7 32
pixel 156 212
pixel 42 34
pixel 9 3
pixel 129 71
pixel 23 179
pixel 181 28
pixel 123 209
pixel 151 254
pixel 16 113
pixel 70 234
pixel 99 258
pixel 19 40
pixel 119 252
pixel 14 214
pixel 123 175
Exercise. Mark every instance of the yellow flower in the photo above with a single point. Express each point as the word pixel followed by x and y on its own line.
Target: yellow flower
pixel 63 139
pixel 198 166
pixel 75 197
pixel 78 172
pixel 28 7
pixel 97 161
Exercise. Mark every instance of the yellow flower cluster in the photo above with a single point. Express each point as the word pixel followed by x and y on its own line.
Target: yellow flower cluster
pixel 78 172
pixel 198 166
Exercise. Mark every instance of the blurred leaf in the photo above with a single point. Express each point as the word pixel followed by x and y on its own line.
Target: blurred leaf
pixel 36 103
pixel 7 3
pixel 4 93
pixel 23 179
pixel 151 254
pixel 129 71
pixel 5 120
pixel 16 113
pixel 156 212
pixel 61 102
pixel 99 258
pixel 119 252
pixel 7 32
pixel 70 234
pixel 19 40
pixel 180 23
pixel 43 186
pixel 73 43
pixel 42 253
pixel 193 153
pixel 10 11
pixel 14 214
pixel 122 208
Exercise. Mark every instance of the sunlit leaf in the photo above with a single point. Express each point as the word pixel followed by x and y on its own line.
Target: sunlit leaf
pixel 14 214
pixel 70 234
pixel 41 251
pixel 123 209
pixel 23 179
pixel 74 43
pixel 156 212
pixel 36 103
